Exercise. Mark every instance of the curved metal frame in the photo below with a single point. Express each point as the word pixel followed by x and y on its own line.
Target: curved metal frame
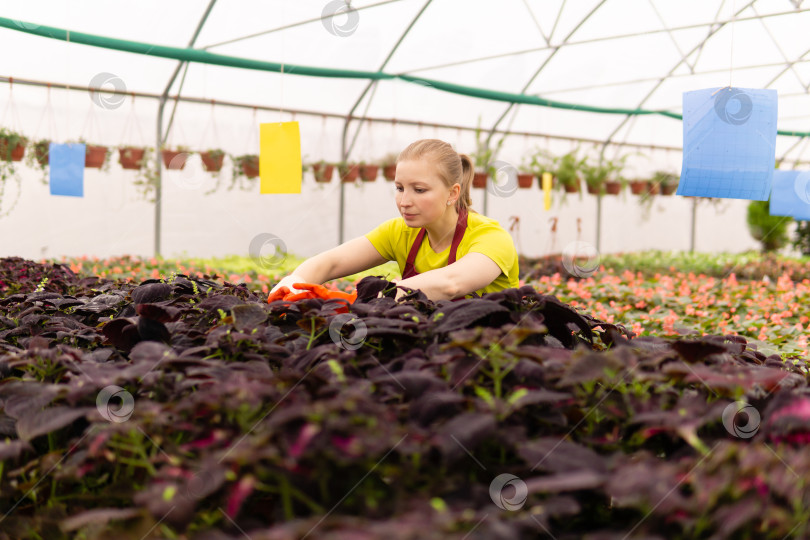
pixel 694 53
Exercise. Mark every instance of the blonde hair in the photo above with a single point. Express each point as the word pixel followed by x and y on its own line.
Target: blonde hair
pixel 452 166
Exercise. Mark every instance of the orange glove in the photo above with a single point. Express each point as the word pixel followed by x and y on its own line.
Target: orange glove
pixel 311 290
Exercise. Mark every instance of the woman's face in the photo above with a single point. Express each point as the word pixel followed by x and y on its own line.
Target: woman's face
pixel 421 195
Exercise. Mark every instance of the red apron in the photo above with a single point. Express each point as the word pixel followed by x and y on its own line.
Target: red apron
pixel 461 226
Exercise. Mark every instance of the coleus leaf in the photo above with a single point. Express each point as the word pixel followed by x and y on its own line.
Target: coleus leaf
pixel 35 423
pixel 463 434
pixel 557 455
pixel 246 317
pixel 464 313
pixel 151 293
pixel 156 312
pixel 96 517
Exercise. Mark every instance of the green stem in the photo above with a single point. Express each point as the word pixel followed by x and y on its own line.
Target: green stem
pixel 285 497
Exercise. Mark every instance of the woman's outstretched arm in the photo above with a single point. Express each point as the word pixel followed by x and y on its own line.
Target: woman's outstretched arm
pixel 344 260
pixel 471 272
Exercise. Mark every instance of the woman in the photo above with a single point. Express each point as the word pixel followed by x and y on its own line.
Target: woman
pixel 443 248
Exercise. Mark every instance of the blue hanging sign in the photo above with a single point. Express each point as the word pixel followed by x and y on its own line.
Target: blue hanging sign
pixel 66 163
pixel 790 195
pixel 729 143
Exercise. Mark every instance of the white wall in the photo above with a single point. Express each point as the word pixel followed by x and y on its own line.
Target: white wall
pixel 111 220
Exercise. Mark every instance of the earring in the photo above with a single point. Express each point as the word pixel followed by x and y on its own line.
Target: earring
pixel 449 203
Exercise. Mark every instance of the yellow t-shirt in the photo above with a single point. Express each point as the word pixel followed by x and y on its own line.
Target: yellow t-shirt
pixel 393 240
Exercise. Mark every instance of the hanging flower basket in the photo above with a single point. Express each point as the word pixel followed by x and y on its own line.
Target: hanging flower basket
pixel 668 189
pixel 174 159
pixel 131 157
pixel 480 180
pixel 639 187
pixel 369 172
pixel 390 172
pixel 94 156
pixel 42 153
pixel 212 160
pixel 613 187
pixel 250 166
pixel 525 180
pixel 571 188
pixel 323 172
pixel 17 150
pixel 349 173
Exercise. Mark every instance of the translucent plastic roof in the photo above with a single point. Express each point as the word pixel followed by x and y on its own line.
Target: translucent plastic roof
pixel 614 54
pixel 364 80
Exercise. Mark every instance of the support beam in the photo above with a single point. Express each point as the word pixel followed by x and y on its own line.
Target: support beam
pixel 161 138
pixel 346 149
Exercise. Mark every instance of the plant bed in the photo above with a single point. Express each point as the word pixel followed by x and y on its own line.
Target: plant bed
pixel 233 417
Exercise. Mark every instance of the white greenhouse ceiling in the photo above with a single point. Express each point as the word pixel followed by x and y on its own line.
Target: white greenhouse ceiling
pixel 616 56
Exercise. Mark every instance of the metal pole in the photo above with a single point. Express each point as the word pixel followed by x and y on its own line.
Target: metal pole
pixel 344 154
pixel 694 221
pixel 341 211
pixel 485 194
pixel 159 181
pixel 160 139
pixel 599 223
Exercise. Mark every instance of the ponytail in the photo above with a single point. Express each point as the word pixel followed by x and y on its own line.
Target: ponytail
pixel 467 173
pixel 452 167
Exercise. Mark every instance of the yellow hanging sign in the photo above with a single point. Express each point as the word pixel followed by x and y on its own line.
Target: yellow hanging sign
pixel 546 178
pixel 280 158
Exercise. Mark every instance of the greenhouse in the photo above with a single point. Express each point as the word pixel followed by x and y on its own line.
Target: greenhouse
pixel 404 269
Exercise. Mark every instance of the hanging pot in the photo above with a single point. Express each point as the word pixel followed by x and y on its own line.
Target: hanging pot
pixel 525 180
pixel 323 172
pixel 613 187
pixel 42 153
pixel 94 156
pixel 480 180
pixel 349 173
pixel 369 172
pixel 174 159
pixel 17 152
pixel 571 188
pixel 131 157
pixel 639 187
pixel 250 166
pixel 390 172
pixel 668 189
pixel 212 161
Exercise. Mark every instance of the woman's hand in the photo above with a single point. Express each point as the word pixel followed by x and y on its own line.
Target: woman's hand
pixel 288 282
pixel 400 292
